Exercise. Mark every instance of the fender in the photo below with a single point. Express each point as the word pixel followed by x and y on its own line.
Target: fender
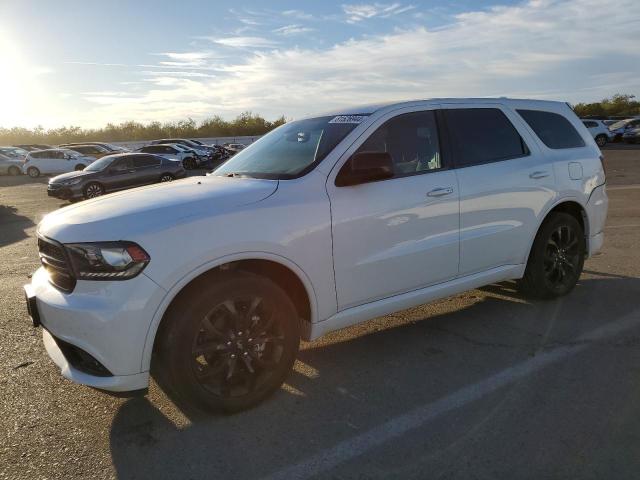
pixel 543 217
pixel 205 267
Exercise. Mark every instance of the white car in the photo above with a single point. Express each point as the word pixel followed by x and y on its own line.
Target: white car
pixel 323 223
pixel 189 158
pixel 619 128
pixel 599 131
pixel 54 161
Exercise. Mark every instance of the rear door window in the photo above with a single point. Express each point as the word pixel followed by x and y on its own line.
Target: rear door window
pixel 483 135
pixel 144 161
pixel 553 129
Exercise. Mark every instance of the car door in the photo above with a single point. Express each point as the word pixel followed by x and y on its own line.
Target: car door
pixel 147 168
pixel 505 183
pixel 399 234
pixel 58 163
pixel 121 174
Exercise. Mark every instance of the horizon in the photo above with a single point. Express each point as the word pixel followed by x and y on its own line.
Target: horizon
pixel 291 60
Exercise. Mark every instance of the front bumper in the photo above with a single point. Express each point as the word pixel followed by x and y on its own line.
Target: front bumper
pixel 107 320
pixel 63 192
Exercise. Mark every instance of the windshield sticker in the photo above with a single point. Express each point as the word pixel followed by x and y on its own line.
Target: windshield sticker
pixel 348 119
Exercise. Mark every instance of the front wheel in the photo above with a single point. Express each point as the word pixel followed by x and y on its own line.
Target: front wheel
pixel 166 177
pixel 79 168
pixel 93 189
pixel 556 258
pixel 229 343
pixel 601 140
pixel 33 172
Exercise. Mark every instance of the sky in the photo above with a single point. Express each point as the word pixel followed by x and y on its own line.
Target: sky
pixel 88 63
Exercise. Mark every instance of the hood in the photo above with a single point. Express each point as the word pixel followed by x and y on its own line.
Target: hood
pixel 126 214
pixel 69 176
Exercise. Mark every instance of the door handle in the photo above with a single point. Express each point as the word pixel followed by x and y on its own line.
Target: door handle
pixel 539 174
pixel 440 192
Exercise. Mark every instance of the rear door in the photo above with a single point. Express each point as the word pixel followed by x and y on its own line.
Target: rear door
pixel 504 180
pixel 147 169
pixel 121 174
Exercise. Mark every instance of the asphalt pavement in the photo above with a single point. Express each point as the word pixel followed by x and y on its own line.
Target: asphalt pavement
pixel 482 385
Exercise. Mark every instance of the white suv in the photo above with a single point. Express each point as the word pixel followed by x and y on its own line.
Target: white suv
pixel 54 161
pixel 323 223
pixel 599 131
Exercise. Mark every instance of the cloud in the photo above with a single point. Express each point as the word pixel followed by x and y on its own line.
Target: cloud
pixel 357 12
pixel 299 14
pixel 292 30
pixel 242 42
pixel 540 49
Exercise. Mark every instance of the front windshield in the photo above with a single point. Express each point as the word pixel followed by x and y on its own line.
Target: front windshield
pixel 100 164
pixel 292 149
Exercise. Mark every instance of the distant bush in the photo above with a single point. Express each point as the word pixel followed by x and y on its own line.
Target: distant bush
pixel 245 124
pixel 620 105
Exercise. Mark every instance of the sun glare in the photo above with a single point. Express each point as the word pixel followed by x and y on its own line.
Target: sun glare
pixel 19 91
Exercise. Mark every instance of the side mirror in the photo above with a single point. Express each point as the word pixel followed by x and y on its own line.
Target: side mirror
pixel 365 167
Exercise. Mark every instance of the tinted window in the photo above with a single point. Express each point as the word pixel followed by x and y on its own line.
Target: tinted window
pixel 411 140
pixel 145 161
pixel 553 129
pixel 482 135
pixel 123 164
pixel 151 149
pixel 590 124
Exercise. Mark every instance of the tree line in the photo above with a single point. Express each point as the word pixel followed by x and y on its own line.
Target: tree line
pixel 246 123
pixel 620 105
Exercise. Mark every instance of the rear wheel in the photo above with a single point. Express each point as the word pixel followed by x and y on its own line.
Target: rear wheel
pixel 601 140
pixel 79 167
pixel 93 189
pixel 33 172
pixel 14 171
pixel 189 163
pixel 166 177
pixel 229 344
pixel 556 258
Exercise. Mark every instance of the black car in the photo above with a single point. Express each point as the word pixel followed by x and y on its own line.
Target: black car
pixel 112 173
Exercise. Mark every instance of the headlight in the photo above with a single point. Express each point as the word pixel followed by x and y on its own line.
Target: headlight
pixel 68 183
pixel 107 260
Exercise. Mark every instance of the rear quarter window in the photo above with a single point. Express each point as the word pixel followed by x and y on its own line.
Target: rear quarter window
pixel 553 129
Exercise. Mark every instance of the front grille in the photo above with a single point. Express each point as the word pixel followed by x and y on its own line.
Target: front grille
pixel 54 260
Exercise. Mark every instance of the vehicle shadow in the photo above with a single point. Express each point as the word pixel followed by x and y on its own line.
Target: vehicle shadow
pixel 13 226
pixel 355 380
pixel 9 181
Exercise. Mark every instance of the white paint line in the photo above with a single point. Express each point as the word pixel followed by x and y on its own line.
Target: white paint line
pixel 622 226
pixel 398 426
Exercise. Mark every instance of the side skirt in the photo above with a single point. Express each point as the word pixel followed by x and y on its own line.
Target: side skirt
pixel 385 306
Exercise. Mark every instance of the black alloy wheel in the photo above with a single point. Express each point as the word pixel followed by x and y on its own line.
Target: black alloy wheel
pixel 228 343
pixel 556 258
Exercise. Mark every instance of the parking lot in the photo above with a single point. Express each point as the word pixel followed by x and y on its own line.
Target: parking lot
pixel 482 385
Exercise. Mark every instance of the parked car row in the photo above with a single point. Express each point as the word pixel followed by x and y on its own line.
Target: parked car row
pixel 39 159
pixel 604 131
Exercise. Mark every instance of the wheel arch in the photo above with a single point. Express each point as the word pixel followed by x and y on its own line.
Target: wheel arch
pixel 569 205
pixel 284 272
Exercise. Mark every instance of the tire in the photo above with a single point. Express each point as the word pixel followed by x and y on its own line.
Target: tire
pixel 14 171
pixel 601 140
pixel 93 190
pixel 556 259
pixel 189 163
pixel 80 167
pixel 166 177
pixel 202 356
pixel 33 172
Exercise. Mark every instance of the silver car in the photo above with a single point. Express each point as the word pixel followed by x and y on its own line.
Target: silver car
pixel 10 165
